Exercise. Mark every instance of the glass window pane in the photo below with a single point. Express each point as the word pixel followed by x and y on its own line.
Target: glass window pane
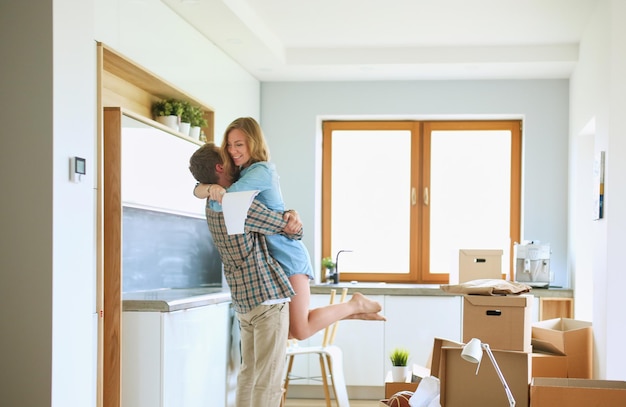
pixel 469 194
pixel 364 164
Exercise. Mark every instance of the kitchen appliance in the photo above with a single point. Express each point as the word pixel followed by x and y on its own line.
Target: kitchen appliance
pixel 532 263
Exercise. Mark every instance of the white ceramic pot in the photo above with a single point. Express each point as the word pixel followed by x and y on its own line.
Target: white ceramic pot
pixel 399 373
pixel 184 127
pixel 194 132
pixel 169 121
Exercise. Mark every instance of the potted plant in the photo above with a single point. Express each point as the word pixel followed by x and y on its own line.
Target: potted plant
pixel 196 120
pixel 329 265
pixel 185 119
pixel 399 369
pixel 168 112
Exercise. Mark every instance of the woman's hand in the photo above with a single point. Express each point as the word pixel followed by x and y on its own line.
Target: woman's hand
pixel 201 191
pixel 216 192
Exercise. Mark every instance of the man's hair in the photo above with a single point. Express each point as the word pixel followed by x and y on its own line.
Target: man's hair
pixel 259 151
pixel 202 163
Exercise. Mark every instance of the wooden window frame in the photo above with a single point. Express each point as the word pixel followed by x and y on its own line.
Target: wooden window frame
pixel 419 264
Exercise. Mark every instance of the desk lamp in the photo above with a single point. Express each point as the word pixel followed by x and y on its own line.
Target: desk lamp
pixel 473 352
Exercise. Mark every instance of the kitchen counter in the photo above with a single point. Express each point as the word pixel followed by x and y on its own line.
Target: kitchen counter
pixel 174 299
pixel 419 289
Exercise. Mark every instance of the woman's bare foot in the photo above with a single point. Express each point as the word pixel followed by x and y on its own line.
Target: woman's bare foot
pixel 363 305
pixel 368 316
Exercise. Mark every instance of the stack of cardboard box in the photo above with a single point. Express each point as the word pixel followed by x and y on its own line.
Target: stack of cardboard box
pixel 568 347
pixel 503 322
pixel 544 364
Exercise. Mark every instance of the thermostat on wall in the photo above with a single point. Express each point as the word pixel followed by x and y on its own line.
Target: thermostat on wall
pixel 77 169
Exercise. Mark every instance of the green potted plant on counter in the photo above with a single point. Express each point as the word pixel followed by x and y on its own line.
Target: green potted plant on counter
pixel 329 265
pixel 399 369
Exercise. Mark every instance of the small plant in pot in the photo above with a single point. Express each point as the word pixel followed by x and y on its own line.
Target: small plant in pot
pixel 185 118
pixel 168 112
pixel 399 358
pixel 329 265
pixel 196 120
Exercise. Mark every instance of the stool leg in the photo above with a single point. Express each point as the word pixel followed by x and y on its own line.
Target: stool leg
pixel 325 379
pixel 286 382
pixel 335 368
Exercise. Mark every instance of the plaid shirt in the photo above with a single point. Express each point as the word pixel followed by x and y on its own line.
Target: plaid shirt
pixel 251 273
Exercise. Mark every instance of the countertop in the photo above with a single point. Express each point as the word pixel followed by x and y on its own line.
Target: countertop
pixel 419 289
pixel 173 299
pixel 167 300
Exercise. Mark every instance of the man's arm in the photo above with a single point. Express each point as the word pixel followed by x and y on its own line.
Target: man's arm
pixel 294 224
pixel 265 221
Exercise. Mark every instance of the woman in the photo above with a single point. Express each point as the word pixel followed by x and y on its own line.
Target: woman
pixel 246 156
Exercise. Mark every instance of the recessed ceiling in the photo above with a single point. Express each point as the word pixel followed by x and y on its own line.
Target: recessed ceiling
pixel 306 40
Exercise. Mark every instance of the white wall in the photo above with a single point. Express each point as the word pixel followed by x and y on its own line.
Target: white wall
pixel 291 121
pixel 47 303
pixel 598 86
pixel 152 35
pixel 47 224
pixel 597 107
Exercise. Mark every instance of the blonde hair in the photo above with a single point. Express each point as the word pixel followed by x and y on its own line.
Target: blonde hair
pixel 259 151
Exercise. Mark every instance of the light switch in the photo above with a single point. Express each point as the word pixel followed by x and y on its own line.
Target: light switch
pixel 78 168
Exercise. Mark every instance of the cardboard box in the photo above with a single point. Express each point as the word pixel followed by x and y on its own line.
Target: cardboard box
pixel 550 392
pixel 435 357
pixel 504 322
pixel 462 387
pixel 569 337
pixel 418 372
pixel 548 365
pixel 477 264
pixel 392 387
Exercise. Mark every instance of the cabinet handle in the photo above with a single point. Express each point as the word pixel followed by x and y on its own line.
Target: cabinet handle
pixel 426 196
pixel 413 197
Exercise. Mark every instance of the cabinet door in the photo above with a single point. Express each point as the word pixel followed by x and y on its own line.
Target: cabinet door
pixel 141 359
pixel 414 321
pixel 195 352
pixel 360 342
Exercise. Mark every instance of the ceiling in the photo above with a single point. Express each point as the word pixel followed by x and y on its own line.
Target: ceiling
pixel 332 40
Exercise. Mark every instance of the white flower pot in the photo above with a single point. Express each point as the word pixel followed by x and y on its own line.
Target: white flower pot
pixel 399 373
pixel 184 127
pixel 194 132
pixel 169 121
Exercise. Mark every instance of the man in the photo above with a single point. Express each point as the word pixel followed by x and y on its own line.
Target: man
pixel 259 288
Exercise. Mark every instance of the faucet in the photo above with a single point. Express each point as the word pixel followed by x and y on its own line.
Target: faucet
pixel 335 275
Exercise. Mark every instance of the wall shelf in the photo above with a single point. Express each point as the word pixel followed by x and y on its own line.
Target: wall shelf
pixel 126 84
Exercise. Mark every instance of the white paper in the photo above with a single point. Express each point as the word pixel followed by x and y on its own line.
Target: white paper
pixel 235 207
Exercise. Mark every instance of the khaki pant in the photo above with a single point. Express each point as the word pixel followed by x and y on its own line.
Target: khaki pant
pixel 264 332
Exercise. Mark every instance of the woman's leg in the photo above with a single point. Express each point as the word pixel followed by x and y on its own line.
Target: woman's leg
pixel 304 322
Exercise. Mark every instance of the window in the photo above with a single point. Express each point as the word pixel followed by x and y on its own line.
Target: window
pixel 405 196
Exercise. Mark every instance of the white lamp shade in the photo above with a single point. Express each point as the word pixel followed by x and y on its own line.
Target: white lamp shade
pixel 473 351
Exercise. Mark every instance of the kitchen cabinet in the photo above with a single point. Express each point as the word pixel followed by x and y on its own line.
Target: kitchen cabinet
pixel 123 86
pixel 173 359
pixel 360 342
pixel 550 308
pixel 412 322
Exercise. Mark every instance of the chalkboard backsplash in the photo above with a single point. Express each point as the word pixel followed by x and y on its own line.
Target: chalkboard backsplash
pixel 165 250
